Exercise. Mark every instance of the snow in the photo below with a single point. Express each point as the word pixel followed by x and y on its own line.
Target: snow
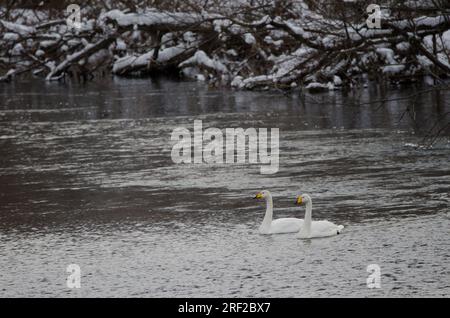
pixel 200 58
pixel 268 39
pixel 46 44
pixel 446 39
pixel 200 77
pixel 442 42
pixel 236 29
pixel 420 22
pixel 73 42
pixel 123 63
pixel 254 80
pixel 51 65
pixel 337 80
pixel 39 53
pixel 424 61
pixel 168 39
pixel 368 33
pixel 70 59
pixel 190 38
pixel 249 39
pixel 121 45
pixel 136 35
pixel 387 54
pixel 151 18
pixel 393 69
pixel 144 60
pixel 273 55
pixel 403 46
pixel 11 37
pixel 98 57
pixel 171 52
pixel 328 41
pixel 429 21
pixel 429 80
pixel 232 52
pixel 296 29
pixel 221 24
pixel 52 35
pixel 237 82
pixel 18 28
pixel 284 64
pixel 443 58
pixel 264 20
pixel 316 86
pixel 17 49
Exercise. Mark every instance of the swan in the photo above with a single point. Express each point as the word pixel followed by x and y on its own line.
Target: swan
pixel 311 228
pixel 278 226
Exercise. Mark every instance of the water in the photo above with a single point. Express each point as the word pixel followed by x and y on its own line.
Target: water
pixel 86 178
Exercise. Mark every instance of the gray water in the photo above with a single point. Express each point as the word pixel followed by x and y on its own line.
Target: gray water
pixel 86 178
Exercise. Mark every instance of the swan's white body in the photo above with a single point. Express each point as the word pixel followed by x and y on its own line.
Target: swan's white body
pixel 311 229
pixel 278 226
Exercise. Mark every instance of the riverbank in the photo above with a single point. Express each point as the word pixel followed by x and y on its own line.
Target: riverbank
pixel 280 45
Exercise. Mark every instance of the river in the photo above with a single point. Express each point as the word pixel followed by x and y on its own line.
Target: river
pixel 86 178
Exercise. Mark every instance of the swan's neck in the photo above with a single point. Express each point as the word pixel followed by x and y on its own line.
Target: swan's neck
pixel 308 218
pixel 269 212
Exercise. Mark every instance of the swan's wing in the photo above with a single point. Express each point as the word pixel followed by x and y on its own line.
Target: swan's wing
pixel 324 228
pixel 286 225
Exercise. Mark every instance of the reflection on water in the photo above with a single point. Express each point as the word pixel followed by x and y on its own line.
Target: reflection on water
pixel 86 177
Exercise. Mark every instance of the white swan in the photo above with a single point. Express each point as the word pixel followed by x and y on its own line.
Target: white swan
pixel 311 228
pixel 278 226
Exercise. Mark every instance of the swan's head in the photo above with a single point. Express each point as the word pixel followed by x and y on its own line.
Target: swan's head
pixel 303 198
pixel 262 195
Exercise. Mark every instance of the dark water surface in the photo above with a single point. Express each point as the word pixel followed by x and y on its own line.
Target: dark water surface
pixel 86 178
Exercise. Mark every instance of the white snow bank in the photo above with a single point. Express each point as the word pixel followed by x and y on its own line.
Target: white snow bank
pixel 200 58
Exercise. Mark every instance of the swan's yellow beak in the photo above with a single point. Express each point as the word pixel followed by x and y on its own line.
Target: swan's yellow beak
pixel 299 200
pixel 258 196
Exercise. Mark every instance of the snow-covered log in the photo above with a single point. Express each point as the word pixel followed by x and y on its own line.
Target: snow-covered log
pixel 155 20
pixel 87 51
pixel 145 63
